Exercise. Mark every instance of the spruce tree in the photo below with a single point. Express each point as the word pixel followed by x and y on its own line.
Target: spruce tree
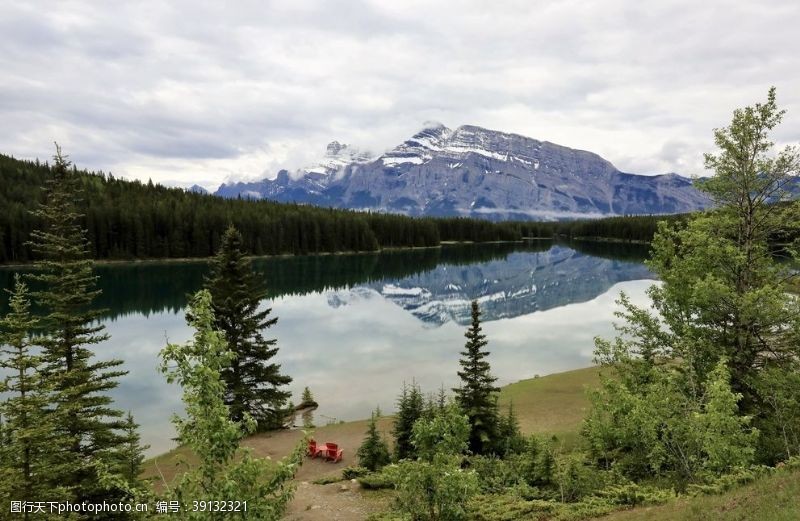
pixel 477 394
pixel 254 383
pixel 25 450
pixel 130 454
pixel 85 421
pixel 410 408
pixel 307 399
pixel 373 452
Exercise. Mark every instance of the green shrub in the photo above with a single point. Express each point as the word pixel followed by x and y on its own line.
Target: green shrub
pixel 719 484
pixel 354 472
pixel 536 463
pixel 433 490
pixel 508 507
pixel 632 494
pixel 575 479
pixel 327 480
pixel 494 475
pixel 375 481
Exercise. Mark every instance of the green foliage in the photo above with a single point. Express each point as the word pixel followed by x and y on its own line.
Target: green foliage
pixel 536 464
pixel 254 384
pixel 446 433
pixel 224 470
pixel 778 390
pixel 658 428
pixel 26 429
pixel 495 475
pixel 410 408
pixel 86 426
pixel 689 398
pixel 377 480
pixel 477 395
pixel 327 480
pixel 354 472
pixel 307 399
pixel 575 479
pixel 726 442
pixel 509 439
pixel 130 453
pixel 433 490
pixel 373 454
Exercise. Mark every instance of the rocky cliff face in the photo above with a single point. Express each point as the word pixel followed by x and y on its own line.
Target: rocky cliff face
pixel 476 172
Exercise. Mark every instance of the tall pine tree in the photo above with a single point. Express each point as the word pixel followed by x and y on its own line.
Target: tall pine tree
pixel 477 394
pixel 86 423
pixel 25 450
pixel 253 383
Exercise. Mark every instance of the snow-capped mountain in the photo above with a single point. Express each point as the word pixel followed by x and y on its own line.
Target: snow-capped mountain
pixel 478 172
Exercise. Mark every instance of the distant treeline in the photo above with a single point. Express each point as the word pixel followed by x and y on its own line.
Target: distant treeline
pixel 135 220
pixel 631 228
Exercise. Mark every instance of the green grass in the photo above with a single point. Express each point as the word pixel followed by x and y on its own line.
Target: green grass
pixel 552 405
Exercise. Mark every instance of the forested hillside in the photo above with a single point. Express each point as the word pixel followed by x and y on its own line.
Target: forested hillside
pixel 134 220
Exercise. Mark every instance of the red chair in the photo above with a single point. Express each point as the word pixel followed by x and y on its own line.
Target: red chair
pixel 333 452
pixel 312 449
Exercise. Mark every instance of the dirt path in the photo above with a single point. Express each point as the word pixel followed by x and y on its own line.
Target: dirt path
pixel 344 500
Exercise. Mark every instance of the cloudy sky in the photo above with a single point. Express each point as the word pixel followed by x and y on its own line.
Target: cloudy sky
pixel 193 91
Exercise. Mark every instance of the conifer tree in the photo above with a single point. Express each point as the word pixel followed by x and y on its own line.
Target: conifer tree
pixel 130 454
pixel 373 452
pixel 25 449
pixel 477 394
pixel 254 383
pixel 307 399
pixel 85 421
pixel 509 438
pixel 410 408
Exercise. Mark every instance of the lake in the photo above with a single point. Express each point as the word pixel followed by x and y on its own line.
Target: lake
pixel 355 327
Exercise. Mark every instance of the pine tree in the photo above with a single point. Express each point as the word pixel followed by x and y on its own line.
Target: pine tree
pixel 410 408
pixel 509 438
pixel 130 454
pixel 82 412
pixel 307 399
pixel 253 382
pixel 477 394
pixel 373 452
pixel 25 449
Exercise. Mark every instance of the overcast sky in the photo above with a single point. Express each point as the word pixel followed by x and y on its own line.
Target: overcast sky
pixel 193 91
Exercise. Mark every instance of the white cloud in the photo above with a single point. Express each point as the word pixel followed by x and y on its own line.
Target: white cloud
pixel 188 92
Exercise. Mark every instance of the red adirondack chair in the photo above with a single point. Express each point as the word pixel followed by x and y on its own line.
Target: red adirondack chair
pixel 333 452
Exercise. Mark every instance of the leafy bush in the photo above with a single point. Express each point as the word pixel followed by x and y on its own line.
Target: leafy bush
pixel 433 490
pixel 575 479
pixel 494 475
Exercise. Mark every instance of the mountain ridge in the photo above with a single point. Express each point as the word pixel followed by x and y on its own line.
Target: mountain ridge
pixel 477 172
